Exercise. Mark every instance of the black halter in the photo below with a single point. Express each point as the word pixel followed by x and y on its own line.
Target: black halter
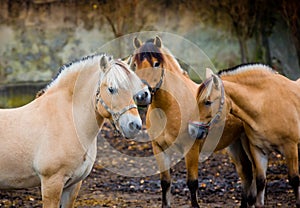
pixel 158 84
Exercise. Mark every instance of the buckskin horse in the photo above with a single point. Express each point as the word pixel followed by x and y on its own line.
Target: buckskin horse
pixel 52 140
pixel 268 104
pixel 172 106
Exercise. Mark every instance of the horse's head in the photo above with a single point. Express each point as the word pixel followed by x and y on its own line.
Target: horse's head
pixel 143 97
pixel 210 100
pixel 147 62
pixel 114 97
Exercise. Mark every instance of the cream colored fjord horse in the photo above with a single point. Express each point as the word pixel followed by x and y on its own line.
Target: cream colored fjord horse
pixel 173 101
pixel 52 140
pixel 268 104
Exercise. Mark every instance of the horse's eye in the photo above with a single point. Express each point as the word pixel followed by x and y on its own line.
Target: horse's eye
pixel 156 64
pixel 208 102
pixel 112 90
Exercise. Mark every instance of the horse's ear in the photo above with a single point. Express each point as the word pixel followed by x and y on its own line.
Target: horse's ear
pixel 131 63
pixel 137 43
pixel 209 73
pixel 158 42
pixel 104 63
pixel 216 81
pixel 127 60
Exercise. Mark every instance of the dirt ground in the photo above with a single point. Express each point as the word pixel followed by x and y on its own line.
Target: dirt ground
pixel 218 182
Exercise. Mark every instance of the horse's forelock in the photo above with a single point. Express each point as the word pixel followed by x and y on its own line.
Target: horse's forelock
pixel 207 84
pixel 120 77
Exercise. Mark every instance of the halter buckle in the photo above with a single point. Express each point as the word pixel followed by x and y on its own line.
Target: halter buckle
pixel 116 116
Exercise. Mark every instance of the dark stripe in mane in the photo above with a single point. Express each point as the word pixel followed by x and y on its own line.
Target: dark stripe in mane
pixel 123 66
pixel 247 66
pixel 68 65
pixel 147 51
pixel 65 67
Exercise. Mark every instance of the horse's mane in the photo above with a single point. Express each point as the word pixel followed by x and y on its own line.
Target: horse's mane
pixel 71 66
pixel 245 68
pixel 115 78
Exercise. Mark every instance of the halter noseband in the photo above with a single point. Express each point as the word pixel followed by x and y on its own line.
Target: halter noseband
pixel 115 115
pixel 206 126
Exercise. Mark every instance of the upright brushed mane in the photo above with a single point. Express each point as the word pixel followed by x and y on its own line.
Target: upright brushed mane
pixel 245 68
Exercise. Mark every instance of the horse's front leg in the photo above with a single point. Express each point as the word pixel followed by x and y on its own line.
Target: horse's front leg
pixel 163 161
pixel 51 187
pixel 191 162
pixel 260 160
pixel 69 195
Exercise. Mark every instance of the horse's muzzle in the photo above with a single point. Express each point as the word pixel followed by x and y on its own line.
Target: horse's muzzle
pixel 143 97
pixel 130 125
pixel 197 130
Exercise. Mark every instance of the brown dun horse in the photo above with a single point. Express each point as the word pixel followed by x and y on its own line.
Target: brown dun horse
pixel 51 142
pixel 173 105
pixel 268 104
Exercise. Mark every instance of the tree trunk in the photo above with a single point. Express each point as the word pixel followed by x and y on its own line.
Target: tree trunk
pixel 266 48
pixel 243 50
pixel 296 40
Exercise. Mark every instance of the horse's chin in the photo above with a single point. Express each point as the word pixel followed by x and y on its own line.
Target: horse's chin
pixel 129 135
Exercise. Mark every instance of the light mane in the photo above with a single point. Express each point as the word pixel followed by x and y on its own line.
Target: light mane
pixel 73 66
pixel 118 76
pixel 245 68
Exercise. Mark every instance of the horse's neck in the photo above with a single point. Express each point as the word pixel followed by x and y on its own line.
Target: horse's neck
pixel 240 102
pixel 175 82
pixel 78 88
pixel 176 96
pixel 174 85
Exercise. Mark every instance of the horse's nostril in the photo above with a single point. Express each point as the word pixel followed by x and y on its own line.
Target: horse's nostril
pixel 134 126
pixel 193 132
pixel 145 94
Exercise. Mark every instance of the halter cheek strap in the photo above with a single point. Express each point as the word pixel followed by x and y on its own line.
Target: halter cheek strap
pixel 157 86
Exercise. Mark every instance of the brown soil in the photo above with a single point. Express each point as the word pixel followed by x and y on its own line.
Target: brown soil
pixel 218 181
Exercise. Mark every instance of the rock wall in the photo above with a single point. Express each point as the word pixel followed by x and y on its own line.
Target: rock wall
pixel 37 37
